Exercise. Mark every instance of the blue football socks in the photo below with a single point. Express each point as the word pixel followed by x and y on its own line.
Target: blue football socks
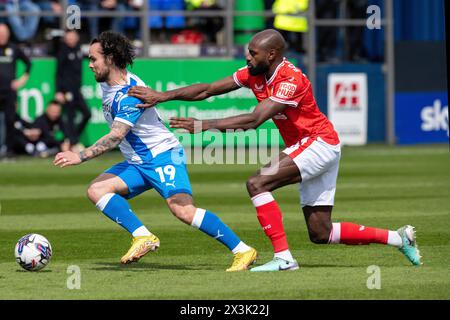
pixel 210 224
pixel 118 210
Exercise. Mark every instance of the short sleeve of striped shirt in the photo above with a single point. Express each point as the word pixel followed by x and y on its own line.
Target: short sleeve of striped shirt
pixel 127 112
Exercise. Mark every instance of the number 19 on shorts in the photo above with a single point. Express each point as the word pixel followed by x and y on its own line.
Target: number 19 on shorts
pixel 167 171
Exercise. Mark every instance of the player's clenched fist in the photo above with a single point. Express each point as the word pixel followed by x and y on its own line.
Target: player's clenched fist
pixel 67 158
pixel 190 124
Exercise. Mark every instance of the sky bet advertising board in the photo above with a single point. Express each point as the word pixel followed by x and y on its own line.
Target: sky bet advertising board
pixel 421 117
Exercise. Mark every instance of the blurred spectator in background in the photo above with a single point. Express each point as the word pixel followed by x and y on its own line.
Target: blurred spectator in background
pixel 23 27
pixel 68 86
pixel 9 54
pixel 3 8
pixel 42 138
pixel 25 137
pixel 209 26
pixel 89 5
pixel 132 24
pixel 115 23
pixel 53 6
pixel 96 24
pixel 166 27
pixel 353 48
pixel 327 36
pixel 268 4
pixel 291 27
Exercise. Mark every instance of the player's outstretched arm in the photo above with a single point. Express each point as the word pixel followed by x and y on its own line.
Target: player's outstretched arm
pixel 194 92
pixel 108 142
pixel 265 110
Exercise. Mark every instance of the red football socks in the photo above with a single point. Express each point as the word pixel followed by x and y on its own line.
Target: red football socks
pixel 354 234
pixel 269 216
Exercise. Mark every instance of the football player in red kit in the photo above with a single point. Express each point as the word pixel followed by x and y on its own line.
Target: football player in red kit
pixel 311 157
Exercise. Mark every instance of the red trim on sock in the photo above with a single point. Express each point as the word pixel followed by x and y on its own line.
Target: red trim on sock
pixel 269 216
pixel 354 234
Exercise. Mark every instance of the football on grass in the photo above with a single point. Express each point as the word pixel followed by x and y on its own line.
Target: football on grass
pixel 33 252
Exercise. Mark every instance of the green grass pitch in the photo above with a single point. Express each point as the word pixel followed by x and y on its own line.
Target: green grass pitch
pixel 379 186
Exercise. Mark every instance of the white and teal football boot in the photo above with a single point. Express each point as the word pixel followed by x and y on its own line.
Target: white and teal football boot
pixel 277 264
pixel 409 247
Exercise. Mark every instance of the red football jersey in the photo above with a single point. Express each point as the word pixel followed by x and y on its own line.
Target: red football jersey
pixel 288 85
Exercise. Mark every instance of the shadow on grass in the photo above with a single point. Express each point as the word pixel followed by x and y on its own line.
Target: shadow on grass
pixel 40 271
pixel 145 266
pixel 312 266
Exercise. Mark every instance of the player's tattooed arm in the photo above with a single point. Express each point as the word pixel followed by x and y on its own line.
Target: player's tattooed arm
pixel 265 110
pixel 108 142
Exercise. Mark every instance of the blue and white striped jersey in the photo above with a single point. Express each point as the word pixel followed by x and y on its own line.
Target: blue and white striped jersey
pixel 148 136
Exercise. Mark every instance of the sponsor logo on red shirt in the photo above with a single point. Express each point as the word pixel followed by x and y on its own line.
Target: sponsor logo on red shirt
pixel 286 90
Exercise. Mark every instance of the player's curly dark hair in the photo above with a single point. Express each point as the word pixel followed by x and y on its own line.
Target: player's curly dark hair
pixel 117 46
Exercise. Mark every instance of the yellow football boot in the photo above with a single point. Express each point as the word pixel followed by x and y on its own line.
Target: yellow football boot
pixel 242 260
pixel 140 246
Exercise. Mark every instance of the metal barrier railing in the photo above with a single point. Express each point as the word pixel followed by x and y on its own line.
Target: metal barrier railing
pixel 229 14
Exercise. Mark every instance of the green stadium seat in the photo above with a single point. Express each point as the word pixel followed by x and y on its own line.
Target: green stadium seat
pixel 246 26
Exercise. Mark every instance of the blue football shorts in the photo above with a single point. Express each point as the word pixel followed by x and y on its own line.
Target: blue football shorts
pixel 166 173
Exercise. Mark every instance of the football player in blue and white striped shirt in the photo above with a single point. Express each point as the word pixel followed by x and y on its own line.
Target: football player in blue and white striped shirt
pixel 154 158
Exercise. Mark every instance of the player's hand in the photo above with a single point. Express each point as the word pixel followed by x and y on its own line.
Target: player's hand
pixel 149 96
pixel 190 124
pixel 66 158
